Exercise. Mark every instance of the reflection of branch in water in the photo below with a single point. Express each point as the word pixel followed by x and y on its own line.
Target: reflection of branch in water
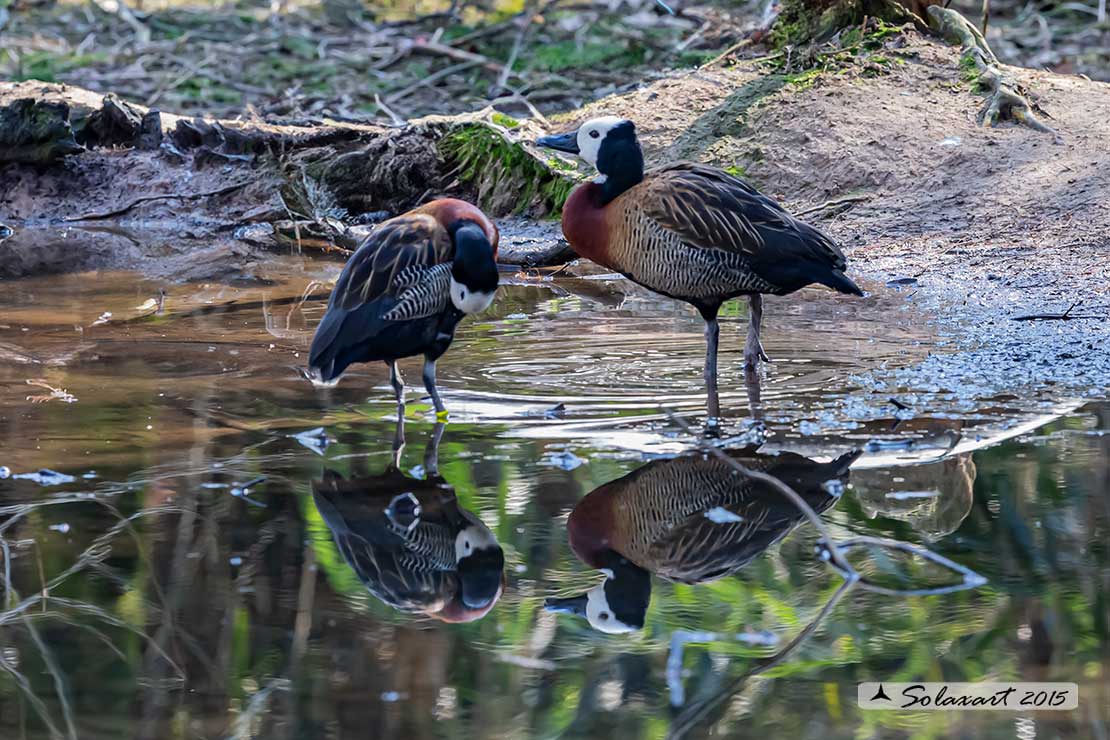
pixel 971 578
pixel 832 553
pixel 21 681
pixel 249 719
pixel 60 686
pixel 28 693
pixel 697 711
pixel 284 329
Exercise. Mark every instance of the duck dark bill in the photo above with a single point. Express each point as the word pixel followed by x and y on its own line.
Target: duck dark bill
pixel 567 142
pixel 575 605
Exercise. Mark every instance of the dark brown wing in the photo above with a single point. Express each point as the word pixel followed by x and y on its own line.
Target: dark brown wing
pixel 708 208
pixel 409 240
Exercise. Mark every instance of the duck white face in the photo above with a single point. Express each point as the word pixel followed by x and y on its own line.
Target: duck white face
pixel 469 300
pixel 481 564
pixel 471 539
pixel 474 270
pixel 594 606
pixel 592 133
pixel 587 141
pixel 600 616
pixel 608 143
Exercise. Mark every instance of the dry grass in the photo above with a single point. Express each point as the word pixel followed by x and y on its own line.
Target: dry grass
pixel 21 616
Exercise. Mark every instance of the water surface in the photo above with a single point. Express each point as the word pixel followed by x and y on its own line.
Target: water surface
pixel 178 580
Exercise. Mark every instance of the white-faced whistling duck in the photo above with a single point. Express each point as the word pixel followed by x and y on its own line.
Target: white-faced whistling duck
pixel 691 232
pixel 689 519
pixel 411 544
pixel 405 289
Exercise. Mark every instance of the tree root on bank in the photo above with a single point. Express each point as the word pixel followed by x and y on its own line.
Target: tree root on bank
pixel 1006 99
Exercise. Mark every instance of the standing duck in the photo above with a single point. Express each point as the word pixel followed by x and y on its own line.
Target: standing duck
pixel 690 232
pixel 410 543
pixel 689 519
pixel 405 289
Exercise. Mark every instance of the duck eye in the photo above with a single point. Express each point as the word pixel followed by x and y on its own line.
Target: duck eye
pixel 604 616
pixel 594 134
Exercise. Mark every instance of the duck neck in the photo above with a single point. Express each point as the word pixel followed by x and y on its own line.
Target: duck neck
pixel 620 167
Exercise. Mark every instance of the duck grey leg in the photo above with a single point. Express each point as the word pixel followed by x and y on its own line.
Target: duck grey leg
pixel 398 440
pixel 431 451
pixel 430 385
pixel 398 384
pixel 713 401
pixel 753 348
pixel 755 395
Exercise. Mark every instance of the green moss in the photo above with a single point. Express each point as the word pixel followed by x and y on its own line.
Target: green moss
pixel 805 79
pixel 696 57
pixel 300 47
pixel 503 120
pixel 815 21
pixel 507 178
pixel 857 49
pixel 203 89
pixel 735 171
pixel 560 164
pixel 46 65
pixel 969 69
pixel 564 55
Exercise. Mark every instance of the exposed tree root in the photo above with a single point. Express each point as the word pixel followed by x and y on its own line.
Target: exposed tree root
pixel 1006 99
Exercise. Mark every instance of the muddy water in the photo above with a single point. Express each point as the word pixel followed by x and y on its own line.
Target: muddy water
pixel 172 574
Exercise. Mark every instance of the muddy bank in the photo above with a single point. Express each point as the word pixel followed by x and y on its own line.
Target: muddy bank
pixel 76 165
pixel 890 144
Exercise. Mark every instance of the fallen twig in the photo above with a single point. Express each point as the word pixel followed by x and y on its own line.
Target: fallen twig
pixel 436 48
pixel 834 204
pixel 729 52
pixel 427 81
pixel 1065 316
pixel 148 198
pixel 503 76
pixel 393 117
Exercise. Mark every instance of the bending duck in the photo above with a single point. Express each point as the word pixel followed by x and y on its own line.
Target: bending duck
pixel 404 291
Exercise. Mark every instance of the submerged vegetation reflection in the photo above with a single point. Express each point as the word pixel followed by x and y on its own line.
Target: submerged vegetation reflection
pixel 179 577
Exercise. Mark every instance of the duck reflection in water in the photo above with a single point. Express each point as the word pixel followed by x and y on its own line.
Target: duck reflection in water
pixel 689 519
pixel 409 541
